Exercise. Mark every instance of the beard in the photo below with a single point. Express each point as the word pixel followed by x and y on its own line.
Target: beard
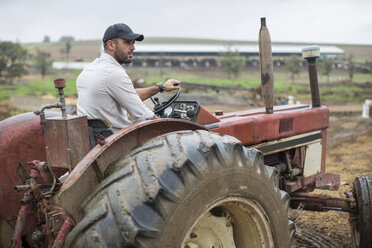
pixel 121 57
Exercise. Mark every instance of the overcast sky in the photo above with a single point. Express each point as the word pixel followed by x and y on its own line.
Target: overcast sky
pixel 311 21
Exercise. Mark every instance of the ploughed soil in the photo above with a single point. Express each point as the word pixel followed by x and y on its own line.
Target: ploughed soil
pixel 349 153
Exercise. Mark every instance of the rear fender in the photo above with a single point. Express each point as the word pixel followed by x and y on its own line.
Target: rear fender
pixel 89 171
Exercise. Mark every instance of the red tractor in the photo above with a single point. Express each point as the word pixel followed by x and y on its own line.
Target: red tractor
pixel 189 179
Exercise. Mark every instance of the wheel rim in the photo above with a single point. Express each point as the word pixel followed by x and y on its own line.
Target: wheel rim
pixel 232 222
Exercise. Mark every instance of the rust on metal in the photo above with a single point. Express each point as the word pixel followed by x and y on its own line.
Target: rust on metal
pixel 59 83
pixel 101 140
pixel 21 141
pixel 65 230
pixel 20 224
pixel 321 202
pixel 67 140
pixel 314 86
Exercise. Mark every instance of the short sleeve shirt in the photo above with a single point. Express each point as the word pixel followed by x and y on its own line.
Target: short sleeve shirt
pixel 105 91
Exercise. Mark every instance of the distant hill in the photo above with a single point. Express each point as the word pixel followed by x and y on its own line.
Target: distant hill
pixel 87 50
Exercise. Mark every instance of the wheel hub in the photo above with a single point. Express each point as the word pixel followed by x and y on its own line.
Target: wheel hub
pixel 232 222
pixel 212 231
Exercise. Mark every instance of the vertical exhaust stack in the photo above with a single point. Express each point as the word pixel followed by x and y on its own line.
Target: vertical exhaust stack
pixel 266 63
pixel 310 54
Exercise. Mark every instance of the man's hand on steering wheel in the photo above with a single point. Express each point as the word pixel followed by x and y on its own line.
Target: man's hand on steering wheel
pixel 171 84
pixel 159 107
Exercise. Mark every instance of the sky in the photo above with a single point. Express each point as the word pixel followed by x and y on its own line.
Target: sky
pixel 309 21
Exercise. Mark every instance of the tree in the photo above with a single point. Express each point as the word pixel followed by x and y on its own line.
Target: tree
pixel 12 61
pixel 66 38
pixel 42 63
pixel 3 65
pixel 369 65
pixel 67 49
pixel 293 66
pixel 46 39
pixel 351 66
pixel 326 67
pixel 232 62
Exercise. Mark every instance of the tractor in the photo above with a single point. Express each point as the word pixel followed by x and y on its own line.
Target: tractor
pixel 189 179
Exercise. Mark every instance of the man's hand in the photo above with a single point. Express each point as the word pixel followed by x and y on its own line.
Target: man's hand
pixel 171 84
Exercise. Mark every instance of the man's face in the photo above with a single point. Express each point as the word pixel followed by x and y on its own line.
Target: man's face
pixel 123 51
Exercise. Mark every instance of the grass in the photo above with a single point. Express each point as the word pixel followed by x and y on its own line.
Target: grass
pixel 39 87
pixel 46 87
pixel 340 92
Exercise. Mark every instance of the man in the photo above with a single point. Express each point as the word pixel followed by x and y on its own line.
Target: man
pixel 104 88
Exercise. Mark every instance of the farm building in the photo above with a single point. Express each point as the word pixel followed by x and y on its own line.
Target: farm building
pixel 193 53
pixel 209 55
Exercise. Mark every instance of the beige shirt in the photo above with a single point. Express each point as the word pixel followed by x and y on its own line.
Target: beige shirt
pixel 105 91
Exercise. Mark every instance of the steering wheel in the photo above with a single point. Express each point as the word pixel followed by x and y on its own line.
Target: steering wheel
pixel 160 107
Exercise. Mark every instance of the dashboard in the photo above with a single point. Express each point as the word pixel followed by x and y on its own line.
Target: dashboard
pixel 185 110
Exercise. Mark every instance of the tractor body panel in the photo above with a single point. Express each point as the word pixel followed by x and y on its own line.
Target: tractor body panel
pixel 299 128
pixel 253 127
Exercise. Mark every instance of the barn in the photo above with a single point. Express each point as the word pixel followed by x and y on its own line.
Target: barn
pixel 186 55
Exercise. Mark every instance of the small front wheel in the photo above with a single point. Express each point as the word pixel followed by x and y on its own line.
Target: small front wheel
pixel 361 223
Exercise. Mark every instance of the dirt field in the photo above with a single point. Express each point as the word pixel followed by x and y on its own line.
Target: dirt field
pixel 349 153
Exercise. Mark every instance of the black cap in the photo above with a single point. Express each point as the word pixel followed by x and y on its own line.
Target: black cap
pixel 121 30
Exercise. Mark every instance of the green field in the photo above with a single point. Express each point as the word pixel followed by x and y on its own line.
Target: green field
pixel 355 91
pixel 336 88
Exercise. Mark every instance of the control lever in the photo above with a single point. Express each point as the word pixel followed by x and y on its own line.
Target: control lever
pixel 190 113
pixel 157 103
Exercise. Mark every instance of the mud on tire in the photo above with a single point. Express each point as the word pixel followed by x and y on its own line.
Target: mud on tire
pixel 155 196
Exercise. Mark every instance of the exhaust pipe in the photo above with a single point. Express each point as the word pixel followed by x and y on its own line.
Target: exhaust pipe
pixel 266 63
pixel 310 54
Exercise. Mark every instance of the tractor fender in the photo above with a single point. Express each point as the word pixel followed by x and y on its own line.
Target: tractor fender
pixel 90 171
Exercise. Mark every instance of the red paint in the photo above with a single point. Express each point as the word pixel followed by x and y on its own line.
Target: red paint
pixel 21 222
pixel 205 117
pixel 322 201
pixel 255 126
pixel 65 230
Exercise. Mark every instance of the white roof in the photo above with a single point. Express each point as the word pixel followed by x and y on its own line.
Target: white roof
pixel 215 48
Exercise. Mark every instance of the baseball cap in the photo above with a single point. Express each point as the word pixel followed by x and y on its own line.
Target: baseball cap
pixel 121 30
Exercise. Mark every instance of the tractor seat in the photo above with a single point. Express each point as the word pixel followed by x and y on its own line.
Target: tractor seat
pixel 96 128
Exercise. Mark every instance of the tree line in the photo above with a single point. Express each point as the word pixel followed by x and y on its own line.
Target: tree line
pixel 15 61
pixel 233 64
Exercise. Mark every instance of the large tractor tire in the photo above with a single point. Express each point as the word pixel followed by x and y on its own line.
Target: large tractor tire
pixel 186 189
pixel 361 223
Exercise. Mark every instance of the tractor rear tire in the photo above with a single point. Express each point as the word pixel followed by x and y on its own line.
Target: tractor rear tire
pixel 186 189
pixel 361 223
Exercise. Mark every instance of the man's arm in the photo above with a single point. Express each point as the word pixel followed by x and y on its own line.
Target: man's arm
pixel 169 85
